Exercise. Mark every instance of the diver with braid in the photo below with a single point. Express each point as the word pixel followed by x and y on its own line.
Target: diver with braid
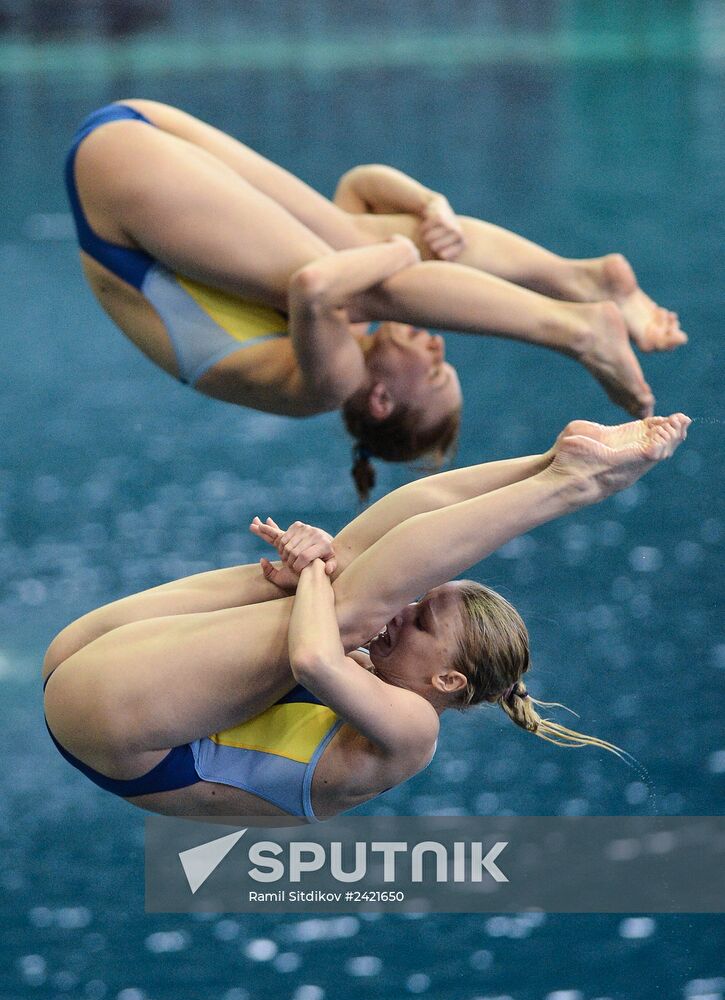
pixel 239 280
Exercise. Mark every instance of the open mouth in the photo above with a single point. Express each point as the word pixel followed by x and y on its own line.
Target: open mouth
pixel 383 637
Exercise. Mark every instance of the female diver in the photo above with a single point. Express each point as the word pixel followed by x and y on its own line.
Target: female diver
pixel 240 280
pixel 134 689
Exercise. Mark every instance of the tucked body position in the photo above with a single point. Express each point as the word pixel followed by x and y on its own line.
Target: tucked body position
pixel 244 691
pixel 237 278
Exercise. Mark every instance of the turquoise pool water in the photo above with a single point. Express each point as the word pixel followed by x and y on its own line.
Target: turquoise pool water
pixel 113 477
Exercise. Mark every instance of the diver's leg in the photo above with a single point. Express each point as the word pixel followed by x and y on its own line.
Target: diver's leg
pixel 503 253
pixel 432 547
pixel 233 587
pixel 190 211
pixel 509 256
pixel 453 296
pixel 319 214
pixel 195 214
pixel 131 694
pixel 130 686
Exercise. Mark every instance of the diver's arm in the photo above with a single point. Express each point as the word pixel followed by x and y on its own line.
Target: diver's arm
pixel 396 720
pixel 375 187
pixel 331 364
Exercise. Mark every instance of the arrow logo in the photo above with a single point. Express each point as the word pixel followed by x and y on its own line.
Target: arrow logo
pixel 199 862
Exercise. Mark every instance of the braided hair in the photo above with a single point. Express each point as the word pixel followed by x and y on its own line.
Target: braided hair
pixel 397 438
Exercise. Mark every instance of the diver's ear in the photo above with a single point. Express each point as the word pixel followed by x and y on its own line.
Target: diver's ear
pixel 380 402
pixel 449 681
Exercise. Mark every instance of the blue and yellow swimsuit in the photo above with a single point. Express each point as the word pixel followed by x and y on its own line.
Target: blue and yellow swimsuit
pixel 203 324
pixel 273 755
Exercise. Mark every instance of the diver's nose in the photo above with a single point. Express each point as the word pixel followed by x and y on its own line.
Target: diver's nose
pixel 438 346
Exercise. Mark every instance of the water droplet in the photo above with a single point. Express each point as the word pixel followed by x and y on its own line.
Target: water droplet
pixel 645 559
pixel 625 849
pixel 33 969
pixel 481 960
pixel 166 941
pixel 261 950
pixel 308 992
pixel 363 965
pixel 635 793
pixel 417 983
pixel 226 930
pixel 287 961
pixel 634 928
pixel 73 917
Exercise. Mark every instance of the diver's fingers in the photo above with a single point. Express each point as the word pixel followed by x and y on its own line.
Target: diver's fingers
pixel 291 532
pixel 295 550
pixel 447 248
pixel 271 573
pixel 318 550
pixel 267 526
pixel 264 531
pixel 311 538
pixel 450 253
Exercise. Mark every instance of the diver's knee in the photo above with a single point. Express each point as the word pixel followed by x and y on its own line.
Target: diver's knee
pixel 86 721
pixel 58 651
pixel 79 634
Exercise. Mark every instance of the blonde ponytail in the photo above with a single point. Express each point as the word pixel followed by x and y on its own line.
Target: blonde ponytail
pixel 518 704
pixel 493 652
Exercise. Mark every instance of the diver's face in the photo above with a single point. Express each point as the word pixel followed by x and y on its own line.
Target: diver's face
pixel 412 364
pixel 420 641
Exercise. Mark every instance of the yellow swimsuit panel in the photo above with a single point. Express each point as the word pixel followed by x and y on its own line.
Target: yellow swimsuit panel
pixel 292 729
pixel 243 320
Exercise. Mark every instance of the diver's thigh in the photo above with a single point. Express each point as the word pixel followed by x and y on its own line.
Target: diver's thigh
pixel 311 208
pixel 190 211
pixel 209 591
pixel 162 682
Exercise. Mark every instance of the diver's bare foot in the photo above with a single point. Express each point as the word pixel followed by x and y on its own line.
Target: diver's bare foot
pixel 595 469
pixel 651 327
pixel 608 355
pixel 620 434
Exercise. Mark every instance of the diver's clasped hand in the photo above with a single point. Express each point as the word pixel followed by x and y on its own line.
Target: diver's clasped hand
pixel 298 546
pixel 441 230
